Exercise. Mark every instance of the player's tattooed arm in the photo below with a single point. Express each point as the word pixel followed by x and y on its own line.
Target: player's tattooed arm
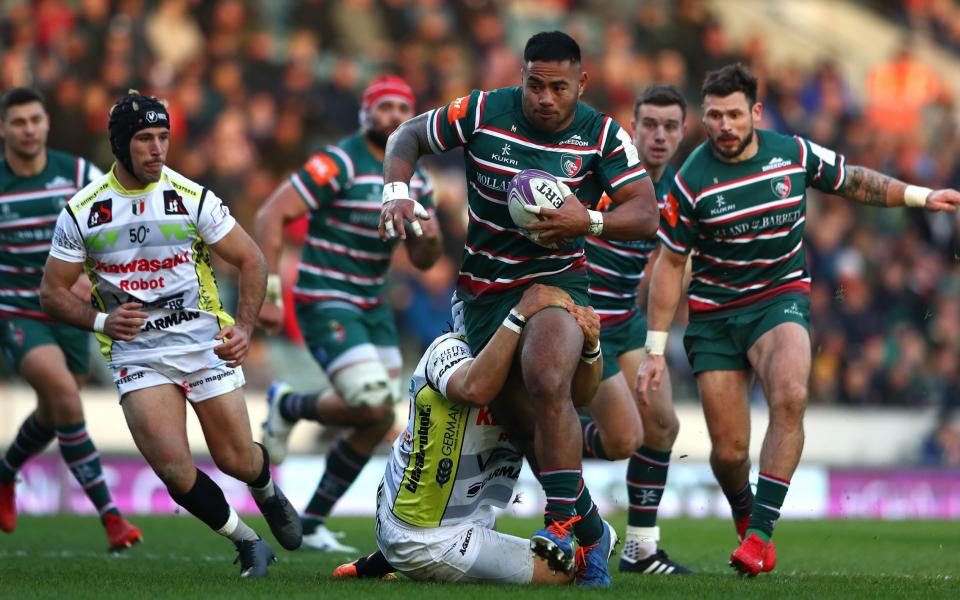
pixel 404 146
pixel 870 187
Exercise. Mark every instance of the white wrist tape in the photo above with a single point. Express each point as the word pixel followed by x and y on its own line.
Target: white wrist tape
pixel 100 322
pixel 915 196
pixel 596 222
pixel 591 356
pixel 514 322
pixel 274 294
pixel 395 190
pixel 656 343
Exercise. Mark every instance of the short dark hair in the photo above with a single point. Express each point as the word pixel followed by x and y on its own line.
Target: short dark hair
pixel 17 96
pixel 551 46
pixel 661 95
pixel 729 80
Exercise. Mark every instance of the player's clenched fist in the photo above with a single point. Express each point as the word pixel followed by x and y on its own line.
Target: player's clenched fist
pixel 271 316
pixel 236 344
pixel 125 321
pixel 398 207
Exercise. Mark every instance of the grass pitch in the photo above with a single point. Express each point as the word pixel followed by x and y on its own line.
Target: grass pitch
pixel 63 557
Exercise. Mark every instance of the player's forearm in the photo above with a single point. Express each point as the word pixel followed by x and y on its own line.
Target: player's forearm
pixel 484 377
pixel 252 286
pixel 586 381
pixel 636 218
pixel 268 228
pixel 873 188
pixel 424 251
pixel 666 288
pixel 63 305
pixel 404 147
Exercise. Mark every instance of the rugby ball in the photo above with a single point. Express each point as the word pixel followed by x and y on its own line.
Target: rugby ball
pixel 532 187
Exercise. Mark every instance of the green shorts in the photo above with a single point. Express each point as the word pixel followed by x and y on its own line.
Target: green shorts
pixel 619 339
pixel 721 343
pixel 482 317
pixel 332 332
pixel 20 336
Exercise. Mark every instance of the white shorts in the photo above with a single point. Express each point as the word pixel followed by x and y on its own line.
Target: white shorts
pixel 469 552
pixel 197 386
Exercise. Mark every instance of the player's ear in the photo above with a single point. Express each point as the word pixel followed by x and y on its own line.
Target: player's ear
pixel 583 81
pixel 757 111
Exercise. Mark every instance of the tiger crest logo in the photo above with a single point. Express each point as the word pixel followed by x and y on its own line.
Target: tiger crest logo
pixel 571 163
pixel 781 187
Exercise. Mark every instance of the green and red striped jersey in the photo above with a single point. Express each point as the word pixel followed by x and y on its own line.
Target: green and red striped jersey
pixel 592 155
pixel 343 260
pixel 745 221
pixel 29 207
pixel 617 268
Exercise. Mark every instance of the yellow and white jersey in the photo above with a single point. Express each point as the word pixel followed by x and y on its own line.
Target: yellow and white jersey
pixel 451 459
pixel 150 246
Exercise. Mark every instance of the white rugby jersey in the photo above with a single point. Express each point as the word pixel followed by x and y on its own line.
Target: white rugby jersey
pixel 451 459
pixel 150 246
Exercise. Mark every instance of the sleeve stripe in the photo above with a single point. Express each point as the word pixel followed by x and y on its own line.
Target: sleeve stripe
pixel 203 196
pixel 607 121
pixel 463 139
pixel 634 173
pixel 346 161
pixel 430 137
pixel 438 134
pixel 80 181
pixel 683 189
pixel 304 192
pixel 478 113
pixel 841 173
pixel 679 248
pixel 803 151
pixel 73 218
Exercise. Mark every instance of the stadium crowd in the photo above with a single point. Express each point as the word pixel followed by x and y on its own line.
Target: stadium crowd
pixel 254 86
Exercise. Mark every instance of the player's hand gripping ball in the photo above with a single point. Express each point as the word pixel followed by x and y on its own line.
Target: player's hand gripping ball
pixel 532 187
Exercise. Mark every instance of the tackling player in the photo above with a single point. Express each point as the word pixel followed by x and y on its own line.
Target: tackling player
pixel 143 232
pixel 453 464
pixel 541 125
pixel 346 322
pixel 35 183
pixel 616 428
pixel 739 201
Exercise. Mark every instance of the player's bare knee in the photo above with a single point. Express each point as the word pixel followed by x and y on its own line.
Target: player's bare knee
pixel 547 387
pixel 621 444
pixel 176 474
pixel 731 455
pixel 788 411
pixel 237 462
pixel 662 431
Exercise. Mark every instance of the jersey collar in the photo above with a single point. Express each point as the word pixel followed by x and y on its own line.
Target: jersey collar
pixel 118 187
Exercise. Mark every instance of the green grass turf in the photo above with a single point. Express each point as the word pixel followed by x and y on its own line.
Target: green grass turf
pixel 63 557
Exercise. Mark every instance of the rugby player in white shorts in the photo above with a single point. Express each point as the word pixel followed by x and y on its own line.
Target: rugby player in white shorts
pixel 143 233
pixel 453 463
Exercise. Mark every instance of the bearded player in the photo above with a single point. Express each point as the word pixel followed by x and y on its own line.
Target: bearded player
pixel 739 202
pixel 540 125
pixel 346 322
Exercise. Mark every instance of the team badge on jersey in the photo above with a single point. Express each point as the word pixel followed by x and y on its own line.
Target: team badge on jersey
pixel 671 210
pixel 337 332
pixel 571 164
pixel 100 213
pixel 173 203
pixel 139 206
pixel 781 187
